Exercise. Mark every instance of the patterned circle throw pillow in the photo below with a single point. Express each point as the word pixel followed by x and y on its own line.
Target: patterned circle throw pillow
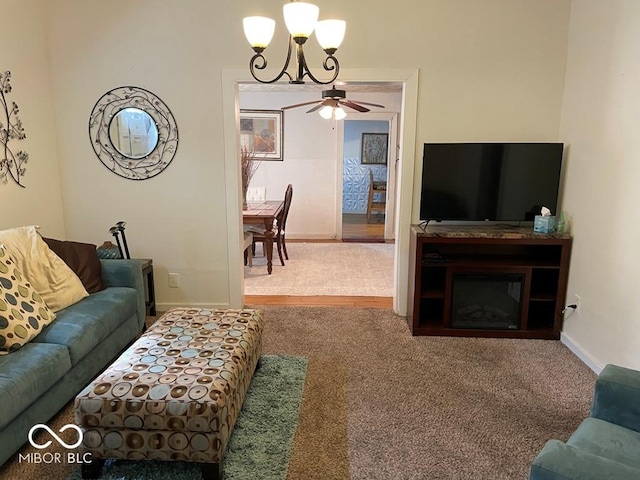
pixel 23 314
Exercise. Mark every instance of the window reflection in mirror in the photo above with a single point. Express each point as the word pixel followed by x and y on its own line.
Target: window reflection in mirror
pixel 133 133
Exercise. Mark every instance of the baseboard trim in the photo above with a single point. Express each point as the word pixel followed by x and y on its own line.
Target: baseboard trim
pixel 579 352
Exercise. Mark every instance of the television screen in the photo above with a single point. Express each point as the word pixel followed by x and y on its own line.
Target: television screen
pixel 506 182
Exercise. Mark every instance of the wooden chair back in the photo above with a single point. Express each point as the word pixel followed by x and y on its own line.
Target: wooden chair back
pixel 374 205
pixel 282 219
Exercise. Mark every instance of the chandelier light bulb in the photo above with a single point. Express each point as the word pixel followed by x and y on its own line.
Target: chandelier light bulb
pixel 330 34
pixel 259 31
pixel 300 18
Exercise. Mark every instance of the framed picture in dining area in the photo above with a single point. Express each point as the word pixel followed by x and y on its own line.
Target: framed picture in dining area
pixel 262 133
pixel 374 148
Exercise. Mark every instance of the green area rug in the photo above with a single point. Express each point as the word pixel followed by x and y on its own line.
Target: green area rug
pixel 260 445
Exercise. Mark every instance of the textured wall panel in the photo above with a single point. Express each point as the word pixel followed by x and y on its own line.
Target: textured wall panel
pixel 355 184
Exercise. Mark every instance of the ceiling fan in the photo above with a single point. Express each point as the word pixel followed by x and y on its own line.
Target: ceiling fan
pixel 332 102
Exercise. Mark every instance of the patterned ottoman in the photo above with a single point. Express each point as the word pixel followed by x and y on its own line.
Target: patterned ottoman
pixel 175 393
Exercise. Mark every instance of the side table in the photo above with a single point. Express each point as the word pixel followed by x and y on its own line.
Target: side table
pixel 149 290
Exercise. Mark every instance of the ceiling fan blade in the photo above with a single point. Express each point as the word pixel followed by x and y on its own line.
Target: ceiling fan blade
pixel 328 102
pixel 316 108
pixel 353 105
pixel 300 104
pixel 371 104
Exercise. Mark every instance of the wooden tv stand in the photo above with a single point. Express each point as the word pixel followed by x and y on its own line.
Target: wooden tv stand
pixel 438 254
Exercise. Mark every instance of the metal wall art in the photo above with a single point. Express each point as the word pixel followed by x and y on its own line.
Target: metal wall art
pixel 12 165
pixel 133 133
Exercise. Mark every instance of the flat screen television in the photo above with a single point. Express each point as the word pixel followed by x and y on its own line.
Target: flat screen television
pixel 502 182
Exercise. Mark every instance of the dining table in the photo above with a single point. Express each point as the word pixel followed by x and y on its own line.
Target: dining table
pixel 259 217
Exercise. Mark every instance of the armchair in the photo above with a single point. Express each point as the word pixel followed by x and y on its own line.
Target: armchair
pixel 607 444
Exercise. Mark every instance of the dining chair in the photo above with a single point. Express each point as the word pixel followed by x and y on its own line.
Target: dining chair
pixel 281 221
pixel 376 188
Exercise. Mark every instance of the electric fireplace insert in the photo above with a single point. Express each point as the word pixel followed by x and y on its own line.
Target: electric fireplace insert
pixel 487 300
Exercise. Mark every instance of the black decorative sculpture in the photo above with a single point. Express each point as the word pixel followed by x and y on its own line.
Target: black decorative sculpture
pixel 116 230
pixel 12 165
pixel 120 226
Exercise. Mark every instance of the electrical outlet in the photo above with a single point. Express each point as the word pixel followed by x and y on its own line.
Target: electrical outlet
pixel 576 300
pixel 174 280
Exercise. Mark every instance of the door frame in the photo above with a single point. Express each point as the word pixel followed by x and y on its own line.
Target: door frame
pixel 404 198
pixel 389 217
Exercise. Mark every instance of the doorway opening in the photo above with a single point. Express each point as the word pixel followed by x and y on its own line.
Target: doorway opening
pixel 365 178
pixel 318 262
pixel 408 82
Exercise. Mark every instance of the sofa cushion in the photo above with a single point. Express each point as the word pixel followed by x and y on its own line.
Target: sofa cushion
pixel 23 314
pixel 608 440
pixel 27 374
pixel 84 325
pixel 56 283
pixel 83 259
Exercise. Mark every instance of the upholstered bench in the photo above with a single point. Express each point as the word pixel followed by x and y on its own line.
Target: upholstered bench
pixel 175 393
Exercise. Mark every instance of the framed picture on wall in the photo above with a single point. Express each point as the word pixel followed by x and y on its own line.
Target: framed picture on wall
pixel 262 132
pixel 374 148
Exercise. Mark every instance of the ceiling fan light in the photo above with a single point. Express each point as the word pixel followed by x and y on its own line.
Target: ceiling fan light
pixel 259 31
pixel 339 113
pixel 326 112
pixel 300 18
pixel 330 34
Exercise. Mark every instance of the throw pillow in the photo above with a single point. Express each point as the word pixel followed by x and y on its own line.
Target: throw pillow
pixel 23 313
pixel 56 283
pixel 83 259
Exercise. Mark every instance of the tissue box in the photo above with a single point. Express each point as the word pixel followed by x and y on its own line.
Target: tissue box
pixel 544 224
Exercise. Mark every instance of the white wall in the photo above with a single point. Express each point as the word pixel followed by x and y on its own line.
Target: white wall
pixel 24 53
pixel 490 70
pixel 178 217
pixel 310 160
pixel 600 123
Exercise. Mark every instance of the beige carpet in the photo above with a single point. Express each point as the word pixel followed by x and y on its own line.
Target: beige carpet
pixel 347 269
pixel 381 404
pixel 424 407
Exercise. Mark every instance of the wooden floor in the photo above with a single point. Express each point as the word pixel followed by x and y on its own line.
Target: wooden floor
pixel 355 226
pixel 319 301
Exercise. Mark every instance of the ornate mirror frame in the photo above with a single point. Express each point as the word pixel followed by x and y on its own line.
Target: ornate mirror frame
pixel 106 109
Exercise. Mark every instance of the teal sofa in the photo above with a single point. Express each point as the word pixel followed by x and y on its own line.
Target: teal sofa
pixel 607 444
pixel 41 377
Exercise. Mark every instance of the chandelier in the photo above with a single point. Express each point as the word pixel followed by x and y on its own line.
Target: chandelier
pixel 301 20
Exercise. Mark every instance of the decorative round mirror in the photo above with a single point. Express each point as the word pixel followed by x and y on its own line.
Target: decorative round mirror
pixel 133 133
